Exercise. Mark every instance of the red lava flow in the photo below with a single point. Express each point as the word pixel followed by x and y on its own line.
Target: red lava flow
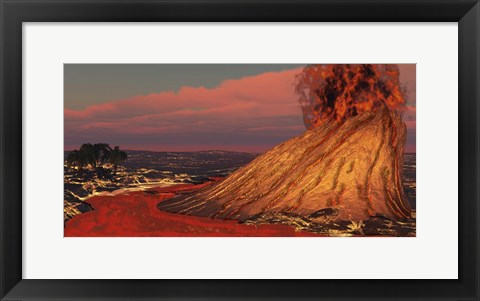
pixel 135 214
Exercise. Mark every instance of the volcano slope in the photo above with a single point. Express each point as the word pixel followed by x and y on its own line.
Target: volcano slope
pixel 350 170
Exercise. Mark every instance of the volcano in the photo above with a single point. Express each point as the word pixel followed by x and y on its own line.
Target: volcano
pixel 349 170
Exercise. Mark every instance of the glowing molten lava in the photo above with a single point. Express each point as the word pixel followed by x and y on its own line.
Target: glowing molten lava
pixel 340 91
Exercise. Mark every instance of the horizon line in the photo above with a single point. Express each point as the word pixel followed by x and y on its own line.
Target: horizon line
pixel 197 151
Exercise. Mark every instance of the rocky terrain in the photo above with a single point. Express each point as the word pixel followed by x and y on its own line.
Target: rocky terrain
pixel 145 170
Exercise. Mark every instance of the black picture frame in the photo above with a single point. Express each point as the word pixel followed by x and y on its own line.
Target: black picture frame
pixel 14 12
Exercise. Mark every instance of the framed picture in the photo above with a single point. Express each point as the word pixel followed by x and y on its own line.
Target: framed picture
pixel 252 150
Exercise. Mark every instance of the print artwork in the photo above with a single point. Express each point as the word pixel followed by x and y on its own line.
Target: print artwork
pixel 237 150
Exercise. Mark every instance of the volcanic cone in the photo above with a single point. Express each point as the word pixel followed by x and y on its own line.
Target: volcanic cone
pixel 353 168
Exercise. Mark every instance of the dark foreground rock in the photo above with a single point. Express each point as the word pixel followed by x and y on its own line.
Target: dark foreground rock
pixel 322 222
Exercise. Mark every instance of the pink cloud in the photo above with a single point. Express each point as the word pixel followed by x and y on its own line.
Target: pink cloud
pixel 412 124
pixel 264 104
pixel 255 92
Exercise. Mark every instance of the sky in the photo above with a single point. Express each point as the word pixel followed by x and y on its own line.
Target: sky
pixel 191 107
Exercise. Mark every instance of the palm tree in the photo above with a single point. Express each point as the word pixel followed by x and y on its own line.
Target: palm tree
pixel 116 157
pixel 95 154
pixel 101 153
pixel 87 151
pixel 76 158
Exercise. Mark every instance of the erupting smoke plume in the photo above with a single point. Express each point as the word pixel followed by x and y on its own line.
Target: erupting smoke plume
pixel 341 91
